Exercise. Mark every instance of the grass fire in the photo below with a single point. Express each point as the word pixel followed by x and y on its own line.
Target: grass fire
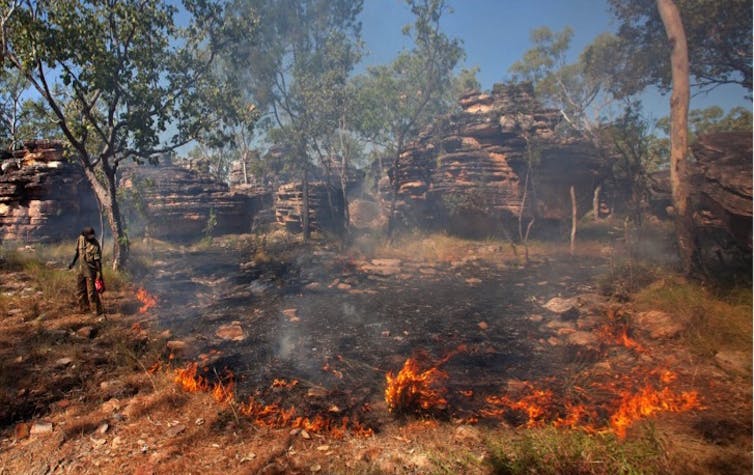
pixel 376 236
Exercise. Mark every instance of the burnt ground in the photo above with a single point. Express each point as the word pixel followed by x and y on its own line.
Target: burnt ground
pixel 337 322
pixel 340 323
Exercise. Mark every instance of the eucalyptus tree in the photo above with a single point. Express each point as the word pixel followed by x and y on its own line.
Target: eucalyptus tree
pixel 668 44
pixel 719 44
pixel 124 81
pixel 297 73
pixel 395 101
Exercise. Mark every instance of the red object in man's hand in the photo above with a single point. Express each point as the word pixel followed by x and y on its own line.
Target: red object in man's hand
pixel 99 285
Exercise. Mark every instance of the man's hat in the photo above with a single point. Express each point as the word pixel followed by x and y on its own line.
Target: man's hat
pixel 88 231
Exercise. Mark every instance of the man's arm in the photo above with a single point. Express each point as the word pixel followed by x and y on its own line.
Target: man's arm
pixel 75 257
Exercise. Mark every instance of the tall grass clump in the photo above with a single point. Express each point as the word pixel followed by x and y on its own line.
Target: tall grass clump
pixel 715 319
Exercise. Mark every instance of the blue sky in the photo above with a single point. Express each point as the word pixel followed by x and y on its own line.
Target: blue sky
pixel 495 34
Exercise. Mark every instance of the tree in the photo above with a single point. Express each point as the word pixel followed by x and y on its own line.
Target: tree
pixel 580 90
pixel 297 74
pixel 123 81
pixel 679 108
pixel 718 37
pixel 395 101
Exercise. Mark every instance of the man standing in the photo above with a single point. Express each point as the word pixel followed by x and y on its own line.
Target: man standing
pixel 89 255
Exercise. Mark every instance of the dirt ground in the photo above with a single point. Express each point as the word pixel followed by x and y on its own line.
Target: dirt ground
pixel 84 395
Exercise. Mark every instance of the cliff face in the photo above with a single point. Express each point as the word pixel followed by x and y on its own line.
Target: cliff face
pixel 722 181
pixel 469 170
pixel 43 197
pixel 176 203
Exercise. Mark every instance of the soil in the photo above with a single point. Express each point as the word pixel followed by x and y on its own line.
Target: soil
pixel 84 395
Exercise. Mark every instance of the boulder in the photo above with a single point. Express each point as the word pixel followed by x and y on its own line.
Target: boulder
pixel 658 324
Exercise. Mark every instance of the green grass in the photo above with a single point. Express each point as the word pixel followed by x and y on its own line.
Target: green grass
pixel 47 266
pixel 555 451
pixel 715 320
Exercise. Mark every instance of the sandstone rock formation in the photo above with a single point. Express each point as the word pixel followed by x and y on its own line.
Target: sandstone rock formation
pixel 468 171
pixel 325 206
pixel 723 181
pixel 176 203
pixel 43 196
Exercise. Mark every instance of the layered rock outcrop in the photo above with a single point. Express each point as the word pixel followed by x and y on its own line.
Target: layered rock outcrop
pixel 723 183
pixel 43 196
pixel 325 206
pixel 468 172
pixel 175 203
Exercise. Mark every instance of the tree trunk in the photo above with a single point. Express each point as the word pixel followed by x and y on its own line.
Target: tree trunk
pixel 305 205
pixel 108 201
pixel 679 107
pixel 393 197
pixel 574 215
pixel 344 190
pixel 596 203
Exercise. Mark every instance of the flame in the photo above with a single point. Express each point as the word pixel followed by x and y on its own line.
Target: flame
pixel 413 390
pixel 147 300
pixel 649 401
pixel 625 408
pixel 285 384
pixel 536 405
pixel 269 415
pixel 191 382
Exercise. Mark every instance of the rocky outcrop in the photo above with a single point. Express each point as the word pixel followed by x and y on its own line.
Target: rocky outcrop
pixel 43 196
pixel 325 207
pixel 175 203
pixel 469 170
pixel 723 182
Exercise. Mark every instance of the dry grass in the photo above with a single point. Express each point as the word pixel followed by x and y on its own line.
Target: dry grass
pixel 716 320
pixel 556 451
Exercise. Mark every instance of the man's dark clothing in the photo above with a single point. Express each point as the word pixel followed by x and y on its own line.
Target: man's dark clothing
pixel 89 256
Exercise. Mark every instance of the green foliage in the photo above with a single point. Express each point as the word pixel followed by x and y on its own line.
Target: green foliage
pixel 580 89
pixel 305 52
pixel 556 451
pixel 393 102
pixel 718 36
pixel 123 81
pixel 713 119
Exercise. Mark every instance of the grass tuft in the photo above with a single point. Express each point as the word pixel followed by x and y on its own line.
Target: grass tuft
pixel 716 320
pixel 556 451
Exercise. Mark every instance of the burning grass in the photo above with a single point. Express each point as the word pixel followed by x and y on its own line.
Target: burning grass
pixel 412 390
pixel 146 299
pixel 274 415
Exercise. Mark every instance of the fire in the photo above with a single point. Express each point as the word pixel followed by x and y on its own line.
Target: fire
pixel 624 408
pixel 414 390
pixel 188 379
pixel 272 415
pixel 649 401
pixel 536 405
pixel 147 300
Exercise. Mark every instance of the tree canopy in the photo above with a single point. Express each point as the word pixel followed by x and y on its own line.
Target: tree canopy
pixel 719 43
pixel 123 80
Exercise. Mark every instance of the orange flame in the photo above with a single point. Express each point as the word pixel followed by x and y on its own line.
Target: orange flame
pixel 192 382
pixel 413 390
pixel 268 415
pixel 540 407
pixel 649 401
pixel 147 300
pixel 536 405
